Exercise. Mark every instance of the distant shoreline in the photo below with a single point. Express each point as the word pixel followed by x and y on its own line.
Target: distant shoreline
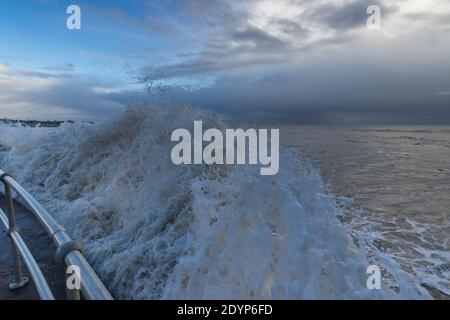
pixel 36 123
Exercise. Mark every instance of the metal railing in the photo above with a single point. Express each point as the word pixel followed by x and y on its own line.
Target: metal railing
pixel 68 251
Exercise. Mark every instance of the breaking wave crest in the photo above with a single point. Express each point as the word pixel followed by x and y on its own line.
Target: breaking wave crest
pixel 154 230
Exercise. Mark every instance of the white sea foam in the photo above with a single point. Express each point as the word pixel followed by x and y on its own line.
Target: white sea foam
pixel 156 230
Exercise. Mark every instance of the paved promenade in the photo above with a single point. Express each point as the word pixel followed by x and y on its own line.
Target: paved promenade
pixel 43 251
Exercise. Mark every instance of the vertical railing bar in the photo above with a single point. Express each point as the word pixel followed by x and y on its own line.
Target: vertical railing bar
pixel 36 274
pixel 19 280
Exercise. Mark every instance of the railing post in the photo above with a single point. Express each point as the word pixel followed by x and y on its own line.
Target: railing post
pixel 19 280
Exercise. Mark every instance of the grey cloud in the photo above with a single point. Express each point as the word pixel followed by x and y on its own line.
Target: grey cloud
pixel 354 92
pixel 231 42
pixel 292 27
pixel 258 38
pixel 429 18
pixel 63 95
pixel 228 41
pixel 344 16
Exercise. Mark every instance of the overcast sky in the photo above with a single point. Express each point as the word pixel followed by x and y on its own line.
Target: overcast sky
pixel 299 61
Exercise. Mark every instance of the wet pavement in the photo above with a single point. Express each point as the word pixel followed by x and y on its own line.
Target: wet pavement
pixel 43 251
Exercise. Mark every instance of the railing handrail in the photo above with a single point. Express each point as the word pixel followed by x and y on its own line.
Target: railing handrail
pixel 39 281
pixel 67 249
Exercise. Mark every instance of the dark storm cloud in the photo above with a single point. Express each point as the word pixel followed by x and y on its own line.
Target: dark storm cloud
pixel 330 93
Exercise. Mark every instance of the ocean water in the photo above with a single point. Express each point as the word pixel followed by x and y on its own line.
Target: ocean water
pixel 399 180
pixel 154 230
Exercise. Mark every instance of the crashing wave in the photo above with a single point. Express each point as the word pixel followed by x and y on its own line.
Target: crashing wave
pixel 154 230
